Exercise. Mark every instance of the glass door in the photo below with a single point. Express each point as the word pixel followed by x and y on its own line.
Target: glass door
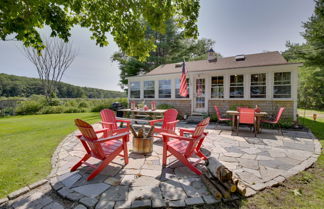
pixel 200 95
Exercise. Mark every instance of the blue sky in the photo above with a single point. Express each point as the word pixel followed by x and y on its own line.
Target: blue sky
pixel 237 26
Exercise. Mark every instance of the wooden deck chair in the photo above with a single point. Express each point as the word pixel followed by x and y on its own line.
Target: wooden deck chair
pixel 104 149
pixel 169 122
pixel 184 147
pixel 109 121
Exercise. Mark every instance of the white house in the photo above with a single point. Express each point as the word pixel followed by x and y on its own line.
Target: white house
pixel 263 79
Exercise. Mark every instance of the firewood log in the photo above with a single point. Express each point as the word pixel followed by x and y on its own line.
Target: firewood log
pixel 218 170
pixel 140 133
pixel 150 133
pixel 211 187
pixel 241 188
pixel 133 131
pixel 226 194
pixel 229 186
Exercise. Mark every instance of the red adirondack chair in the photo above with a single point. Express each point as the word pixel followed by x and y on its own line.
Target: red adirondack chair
pixel 109 121
pixel 184 147
pixel 276 121
pixel 105 149
pixel 246 116
pixel 169 122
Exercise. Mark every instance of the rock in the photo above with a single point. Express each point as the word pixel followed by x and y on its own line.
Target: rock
pixel 18 192
pixel 69 179
pixel 194 201
pixel 141 204
pixel 92 190
pixel 54 205
pixel 36 200
pixel 210 199
pixel 158 203
pixel 80 207
pixel 116 193
pixel 37 184
pixel 177 203
pixel 88 201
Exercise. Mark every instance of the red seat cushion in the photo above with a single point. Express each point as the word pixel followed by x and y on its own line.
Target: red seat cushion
pixel 179 145
pixel 111 146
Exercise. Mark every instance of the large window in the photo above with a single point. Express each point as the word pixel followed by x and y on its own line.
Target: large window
pixel 149 91
pixel 135 91
pixel 164 88
pixel 217 87
pixel 177 88
pixel 282 85
pixel 236 86
pixel 258 85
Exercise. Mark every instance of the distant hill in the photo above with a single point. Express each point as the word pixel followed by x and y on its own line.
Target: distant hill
pixel 20 86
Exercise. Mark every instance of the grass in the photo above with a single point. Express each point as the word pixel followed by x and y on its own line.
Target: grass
pixel 304 190
pixel 27 145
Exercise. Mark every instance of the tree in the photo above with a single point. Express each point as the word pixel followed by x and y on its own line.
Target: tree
pixel 311 77
pixel 172 47
pixel 314 34
pixel 126 21
pixel 51 65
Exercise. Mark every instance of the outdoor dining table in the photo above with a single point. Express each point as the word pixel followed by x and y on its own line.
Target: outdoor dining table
pixel 144 113
pixel 258 116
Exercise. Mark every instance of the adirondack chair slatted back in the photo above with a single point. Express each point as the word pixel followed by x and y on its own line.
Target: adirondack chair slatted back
pixel 169 116
pixel 281 110
pixel 108 116
pixel 198 136
pixel 247 115
pixel 219 116
pixel 88 133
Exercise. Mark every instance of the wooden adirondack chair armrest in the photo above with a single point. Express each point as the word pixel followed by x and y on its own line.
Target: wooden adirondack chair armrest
pixel 152 122
pixel 183 130
pixel 173 122
pixel 176 136
pixel 118 136
pixel 101 130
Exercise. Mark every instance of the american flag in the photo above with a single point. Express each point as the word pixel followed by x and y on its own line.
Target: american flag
pixel 183 82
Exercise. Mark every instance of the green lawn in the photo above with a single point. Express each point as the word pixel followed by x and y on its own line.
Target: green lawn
pixel 27 144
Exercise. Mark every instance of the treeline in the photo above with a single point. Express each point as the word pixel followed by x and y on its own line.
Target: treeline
pixel 19 86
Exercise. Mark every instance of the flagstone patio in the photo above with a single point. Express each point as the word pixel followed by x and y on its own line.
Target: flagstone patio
pixel 259 162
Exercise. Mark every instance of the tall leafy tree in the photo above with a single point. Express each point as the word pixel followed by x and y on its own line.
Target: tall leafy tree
pixel 314 34
pixel 172 46
pixel 125 20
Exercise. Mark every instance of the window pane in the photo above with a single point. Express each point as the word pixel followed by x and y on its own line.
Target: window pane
pixel 217 87
pixel 177 88
pixel 236 86
pixel 135 89
pixel 149 89
pixel 258 85
pixel 164 88
pixel 282 85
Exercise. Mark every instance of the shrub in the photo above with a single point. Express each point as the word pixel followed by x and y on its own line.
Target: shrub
pixel 100 107
pixel 83 104
pixel 164 106
pixel 28 107
pixel 52 109
pixel 74 110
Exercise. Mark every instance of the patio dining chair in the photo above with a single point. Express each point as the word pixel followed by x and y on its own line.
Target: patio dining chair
pixel 109 121
pixel 246 116
pixel 183 147
pixel 169 122
pixel 276 120
pixel 104 149
pixel 220 119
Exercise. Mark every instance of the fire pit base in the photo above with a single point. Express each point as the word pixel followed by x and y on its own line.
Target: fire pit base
pixel 143 145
